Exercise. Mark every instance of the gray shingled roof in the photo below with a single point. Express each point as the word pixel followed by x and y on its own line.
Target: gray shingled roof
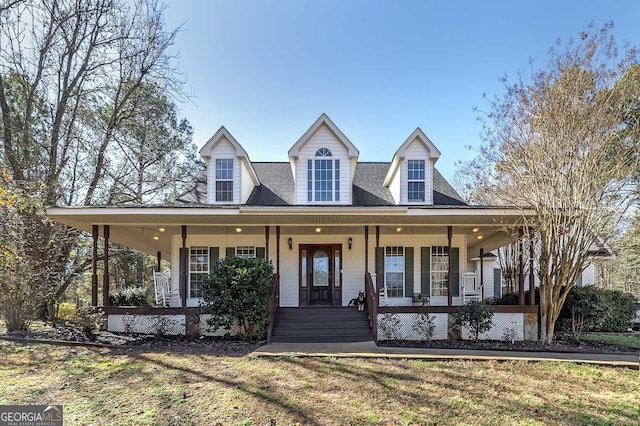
pixel 277 187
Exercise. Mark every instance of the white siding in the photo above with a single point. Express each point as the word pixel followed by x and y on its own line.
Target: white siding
pixel 417 151
pixel 394 186
pixel 417 241
pixel 246 183
pixel 352 260
pixel 352 265
pixel 487 278
pixel 323 138
pixel 590 275
pixel 223 150
pixel 232 239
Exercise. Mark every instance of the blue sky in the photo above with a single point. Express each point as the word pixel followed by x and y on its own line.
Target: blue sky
pixel 267 69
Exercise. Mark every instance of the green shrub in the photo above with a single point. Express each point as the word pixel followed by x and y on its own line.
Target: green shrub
pixel 476 316
pixel 620 310
pixel 88 319
pixel 514 298
pixel 66 311
pixel 590 308
pixel 583 309
pixel 132 296
pixel 236 294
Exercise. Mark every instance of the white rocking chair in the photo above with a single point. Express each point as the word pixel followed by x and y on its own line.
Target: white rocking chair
pixel 165 295
pixel 471 290
pixel 382 296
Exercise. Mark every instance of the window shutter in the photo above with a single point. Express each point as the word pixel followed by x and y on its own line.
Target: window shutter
pixel 425 270
pixel 497 283
pixel 408 271
pixel 214 254
pixel 455 270
pixel 261 252
pixel 579 282
pixel 380 266
pixel 230 252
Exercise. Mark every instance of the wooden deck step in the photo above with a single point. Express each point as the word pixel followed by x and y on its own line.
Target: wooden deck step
pixel 321 325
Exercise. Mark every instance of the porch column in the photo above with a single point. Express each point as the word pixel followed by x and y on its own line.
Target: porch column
pixel 105 277
pixel 184 259
pixel 277 250
pixel 482 271
pixel 450 284
pixel 266 243
pixel 159 258
pixel 376 264
pixel 521 269
pixel 532 277
pixel 366 249
pixel 94 267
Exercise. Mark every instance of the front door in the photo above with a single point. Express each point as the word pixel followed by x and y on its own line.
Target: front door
pixel 320 273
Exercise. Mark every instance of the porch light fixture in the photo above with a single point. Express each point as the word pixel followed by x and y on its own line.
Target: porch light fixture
pixel 290 241
pixel 480 237
pixel 350 241
pixel 161 229
pixel 399 229
pixel 475 230
pixel 238 230
pixel 318 229
pixel 155 237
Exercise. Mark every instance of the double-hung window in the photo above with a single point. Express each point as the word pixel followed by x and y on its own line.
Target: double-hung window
pixel 198 269
pixel 439 271
pixel 415 181
pixel 394 271
pixel 246 251
pixel 224 180
pixel 323 177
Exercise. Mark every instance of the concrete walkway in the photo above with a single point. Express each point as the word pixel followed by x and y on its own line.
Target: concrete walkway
pixel 371 350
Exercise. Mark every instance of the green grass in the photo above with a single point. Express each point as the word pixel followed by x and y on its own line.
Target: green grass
pixel 631 340
pixel 182 386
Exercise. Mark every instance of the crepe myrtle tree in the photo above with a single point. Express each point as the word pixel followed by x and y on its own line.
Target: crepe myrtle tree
pixel 236 294
pixel 563 143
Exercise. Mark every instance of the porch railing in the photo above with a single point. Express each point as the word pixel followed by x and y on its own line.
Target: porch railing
pixel 372 304
pixel 274 302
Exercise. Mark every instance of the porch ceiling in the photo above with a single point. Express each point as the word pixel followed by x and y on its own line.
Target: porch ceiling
pixel 136 227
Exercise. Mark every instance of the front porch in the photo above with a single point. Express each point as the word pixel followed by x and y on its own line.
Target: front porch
pixel 320 258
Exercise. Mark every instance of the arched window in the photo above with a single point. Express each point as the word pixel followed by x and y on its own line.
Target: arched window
pixel 323 177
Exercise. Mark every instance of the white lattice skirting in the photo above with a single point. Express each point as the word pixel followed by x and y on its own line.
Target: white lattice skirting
pixel 148 324
pixel 397 326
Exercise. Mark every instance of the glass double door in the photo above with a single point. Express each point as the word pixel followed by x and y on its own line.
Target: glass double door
pixel 320 275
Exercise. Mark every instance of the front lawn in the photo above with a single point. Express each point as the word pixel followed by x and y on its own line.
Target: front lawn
pixel 182 385
pixel 631 340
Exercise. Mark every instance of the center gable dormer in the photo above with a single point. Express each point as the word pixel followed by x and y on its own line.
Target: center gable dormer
pixel 410 176
pixel 323 162
pixel 230 176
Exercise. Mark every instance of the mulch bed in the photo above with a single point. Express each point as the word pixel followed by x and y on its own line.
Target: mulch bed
pixel 71 334
pixel 562 343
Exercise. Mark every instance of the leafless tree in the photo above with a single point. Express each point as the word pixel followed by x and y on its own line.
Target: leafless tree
pixel 561 143
pixel 69 71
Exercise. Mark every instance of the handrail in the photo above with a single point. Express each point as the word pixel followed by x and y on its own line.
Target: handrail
pixel 274 302
pixel 372 304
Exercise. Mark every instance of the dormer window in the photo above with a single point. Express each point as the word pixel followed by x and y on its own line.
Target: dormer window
pixel 323 177
pixel 224 180
pixel 415 181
